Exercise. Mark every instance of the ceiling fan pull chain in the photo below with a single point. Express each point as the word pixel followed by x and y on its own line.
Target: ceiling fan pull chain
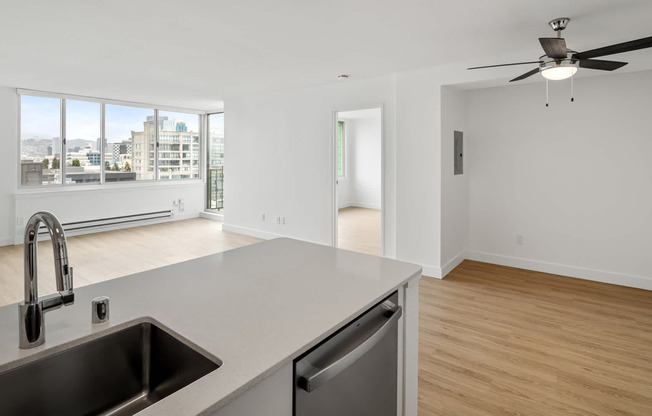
pixel 572 91
pixel 546 92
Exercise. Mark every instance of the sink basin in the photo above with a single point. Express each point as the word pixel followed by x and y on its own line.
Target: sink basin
pixel 118 374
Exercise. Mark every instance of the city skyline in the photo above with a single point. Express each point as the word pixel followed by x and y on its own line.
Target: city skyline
pixel 129 148
pixel 83 119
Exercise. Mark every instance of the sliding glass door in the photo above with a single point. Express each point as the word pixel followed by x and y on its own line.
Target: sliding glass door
pixel 215 165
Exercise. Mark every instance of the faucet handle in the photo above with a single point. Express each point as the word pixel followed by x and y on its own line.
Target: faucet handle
pixel 100 310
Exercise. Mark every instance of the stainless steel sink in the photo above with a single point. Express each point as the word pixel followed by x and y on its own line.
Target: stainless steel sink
pixel 118 374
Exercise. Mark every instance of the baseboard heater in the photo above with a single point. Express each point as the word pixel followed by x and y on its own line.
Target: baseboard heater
pixel 103 222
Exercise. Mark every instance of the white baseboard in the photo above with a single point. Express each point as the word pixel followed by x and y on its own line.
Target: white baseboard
pixel 178 216
pixel 640 282
pixel 213 216
pixel 265 235
pixel 432 271
pixel 441 272
pixel 453 263
pixel 6 241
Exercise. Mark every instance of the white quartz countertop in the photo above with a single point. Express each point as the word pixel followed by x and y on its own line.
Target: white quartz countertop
pixel 256 308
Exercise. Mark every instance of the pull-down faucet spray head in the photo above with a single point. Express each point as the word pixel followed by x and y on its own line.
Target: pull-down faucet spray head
pixel 32 310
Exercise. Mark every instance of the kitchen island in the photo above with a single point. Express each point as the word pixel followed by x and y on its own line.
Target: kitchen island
pixel 256 308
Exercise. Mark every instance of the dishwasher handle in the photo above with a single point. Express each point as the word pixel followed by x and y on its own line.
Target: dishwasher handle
pixel 312 382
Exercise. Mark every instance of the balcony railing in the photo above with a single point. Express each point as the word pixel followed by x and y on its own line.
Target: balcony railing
pixel 215 183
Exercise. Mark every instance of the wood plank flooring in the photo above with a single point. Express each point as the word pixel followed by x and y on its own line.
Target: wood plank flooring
pixel 493 340
pixel 358 229
pixel 107 255
pixel 502 341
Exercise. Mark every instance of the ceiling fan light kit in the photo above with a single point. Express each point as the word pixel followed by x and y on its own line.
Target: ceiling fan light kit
pixel 558 71
pixel 559 62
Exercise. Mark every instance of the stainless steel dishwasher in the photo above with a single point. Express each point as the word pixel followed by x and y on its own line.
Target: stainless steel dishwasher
pixel 354 372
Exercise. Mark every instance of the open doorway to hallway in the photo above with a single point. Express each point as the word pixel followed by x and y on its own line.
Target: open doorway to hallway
pixel 359 180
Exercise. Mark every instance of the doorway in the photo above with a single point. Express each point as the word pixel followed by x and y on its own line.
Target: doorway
pixel 359 180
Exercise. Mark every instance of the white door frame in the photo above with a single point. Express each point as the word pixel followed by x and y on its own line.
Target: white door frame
pixel 334 177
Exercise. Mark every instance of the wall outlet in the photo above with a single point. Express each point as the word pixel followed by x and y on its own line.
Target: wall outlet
pixel 182 205
pixel 519 240
pixel 283 220
pixel 278 220
pixel 20 221
pixel 262 217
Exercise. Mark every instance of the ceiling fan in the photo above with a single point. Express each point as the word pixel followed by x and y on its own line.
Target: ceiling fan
pixel 559 62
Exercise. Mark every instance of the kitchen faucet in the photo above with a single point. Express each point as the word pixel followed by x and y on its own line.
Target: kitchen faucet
pixel 32 310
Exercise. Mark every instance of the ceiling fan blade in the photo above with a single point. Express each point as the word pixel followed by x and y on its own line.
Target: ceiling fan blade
pixel 602 65
pixel 516 63
pixel 555 48
pixel 527 74
pixel 632 45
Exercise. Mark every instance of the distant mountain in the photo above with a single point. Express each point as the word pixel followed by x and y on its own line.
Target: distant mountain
pixel 81 143
pixel 35 149
pixel 38 148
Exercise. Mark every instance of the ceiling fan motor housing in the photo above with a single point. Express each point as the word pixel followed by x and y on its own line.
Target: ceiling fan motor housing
pixel 559 23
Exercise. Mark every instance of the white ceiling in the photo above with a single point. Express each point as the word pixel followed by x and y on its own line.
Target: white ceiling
pixel 195 54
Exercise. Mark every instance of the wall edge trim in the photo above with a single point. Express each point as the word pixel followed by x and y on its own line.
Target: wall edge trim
pixel 453 263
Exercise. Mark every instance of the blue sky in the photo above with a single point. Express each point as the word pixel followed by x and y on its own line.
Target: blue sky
pixel 40 118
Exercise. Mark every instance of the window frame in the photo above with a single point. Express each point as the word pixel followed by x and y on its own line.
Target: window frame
pixel 103 102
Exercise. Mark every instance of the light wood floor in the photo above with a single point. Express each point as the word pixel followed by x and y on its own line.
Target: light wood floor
pixel 358 229
pixel 502 341
pixel 107 255
pixel 493 340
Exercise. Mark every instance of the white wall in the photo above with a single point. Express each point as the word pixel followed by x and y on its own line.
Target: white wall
pixel 418 161
pixel 454 188
pixel 361 185
pixel 574 180
pixel 8 158
pixel 279 159
pixel 77 203
pixel 570 191
pixel 95 203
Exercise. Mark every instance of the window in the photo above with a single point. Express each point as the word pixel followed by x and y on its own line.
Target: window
pixel 90 153
pixel 340 148
pixel 40 141
pixel 83 151
pixel 215 174
pixel 128 128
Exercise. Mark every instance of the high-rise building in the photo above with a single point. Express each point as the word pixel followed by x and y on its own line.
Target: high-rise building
pixel 172 125
pixel 181 126
pixel 178 151
pixel 56 146
pixel 98 146
pixel 94 158
pixel 117 149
